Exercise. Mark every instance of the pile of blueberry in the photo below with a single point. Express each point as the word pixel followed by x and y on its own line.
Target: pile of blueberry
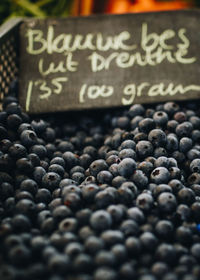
pixel 108 196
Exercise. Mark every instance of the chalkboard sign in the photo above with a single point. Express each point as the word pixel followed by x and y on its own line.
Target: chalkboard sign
pixel 109 60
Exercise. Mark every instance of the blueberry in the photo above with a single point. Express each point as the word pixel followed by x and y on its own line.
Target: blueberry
pixel 144 149
pixel 112 237
pixel 100 220
pixel 172 143
pixel 145 201
pixel 157 137
pixel 160 175
pixel 104 176
pixel 180 117
pixel 38 174
pixel 170 108
pixel 139 136
pixel 118 181
pixel 136 110
pixel 167 202
pixel 193 154
pixel 123 122
pixel 97 166
pixel 127 153
pixel 78 177
pixel 12 240
pixel 146 167
pixel 165 252
pixel 116 213
pixel 58 160
pixel 120 253
pixel 59 263
pixel 159 152
pixel 73 249
pixel 48 226
pixel 195 165
pixel 5 144
pixel 114 169
pixel 135 121
pixel 6 190
pixel 164 229
pixel 131 186
pixel 147 276
pixel 133 246
pixel 3 133
pixel 26 207
pixel 34 159
pixel 176 185
pixel 89 191
pixel 83 216
pixel 17 151
pixel 93 244
pixel 175 173
pixel 149 112
pixel 78 169
pixel 195 207
pixel 28 138
pixel 136 214
pixel 72 200
pixel 19 255
pixel 186 196
pixel 39 150
pixel 21 223
pixel 129 227
pixel 85 232
pixel 159 269
pixel 23 195
pixel 171 125
pixel 172 162
pixel 3 117
pixel 161 161
pixel 49 134
pixel 105 273
pixel 148 241
pixel 128 144
pixel 126 167
pixel 83 263
pixel 25 165
pixel 195 135
pixel 140 179
pixel 71 159
pixel 92 197
pixel 195 251
pixel 146 125
pixel 183 235
pixel 51 180
pixel 68 225
pixel 160 118
pixel 105 258
pixel 61 212
pixel 196 189
pixel 29 186
pixel 125 195
pixel 184 129
pixel 67 182
pixel 43 215
pixel 179 156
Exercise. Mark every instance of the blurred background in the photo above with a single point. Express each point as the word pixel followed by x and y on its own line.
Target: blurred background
pixel 63 8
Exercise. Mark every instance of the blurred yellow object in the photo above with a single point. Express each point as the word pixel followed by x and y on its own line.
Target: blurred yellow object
pixel 82 7
pixel 152 5
pixel 86 7
pixel 127 6
pixel 118 6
